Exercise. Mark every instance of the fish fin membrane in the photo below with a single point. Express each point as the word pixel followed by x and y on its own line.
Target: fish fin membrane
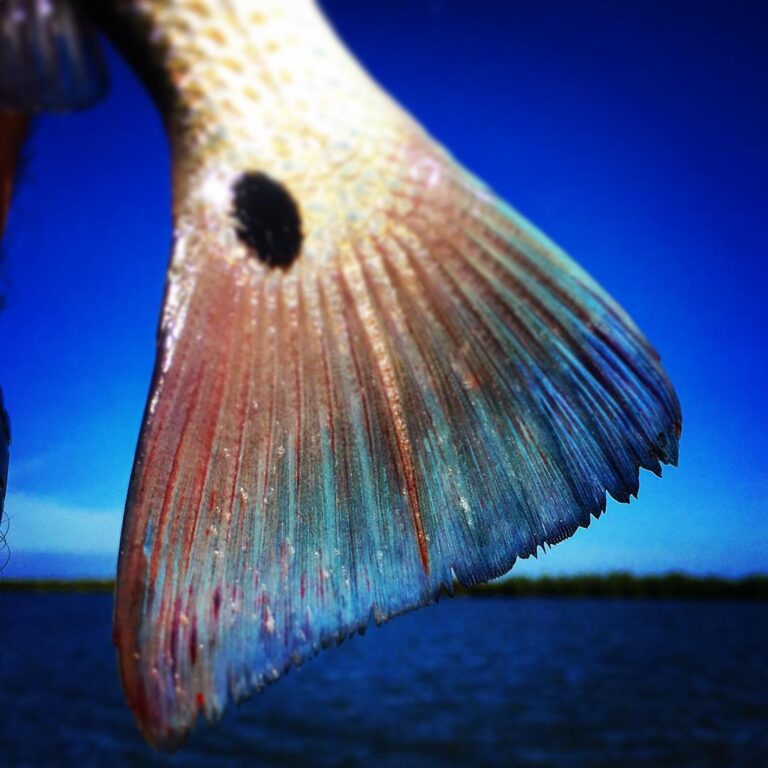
pixel 431 390
pixel 49 57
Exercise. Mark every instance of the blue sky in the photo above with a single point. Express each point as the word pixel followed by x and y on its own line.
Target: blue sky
pixel 634 134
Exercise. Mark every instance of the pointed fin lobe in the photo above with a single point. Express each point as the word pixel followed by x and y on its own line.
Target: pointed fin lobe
pixel 338 439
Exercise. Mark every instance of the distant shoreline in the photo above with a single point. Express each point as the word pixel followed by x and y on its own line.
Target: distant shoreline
pixel 613 585
pixel 667 586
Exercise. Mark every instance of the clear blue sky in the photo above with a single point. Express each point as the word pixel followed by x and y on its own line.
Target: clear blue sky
pixel 635 134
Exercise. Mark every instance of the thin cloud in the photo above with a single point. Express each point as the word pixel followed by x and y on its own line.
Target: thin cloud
pixel 42 524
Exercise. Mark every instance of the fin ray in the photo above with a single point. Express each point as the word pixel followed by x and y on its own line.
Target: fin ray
pixel 431 389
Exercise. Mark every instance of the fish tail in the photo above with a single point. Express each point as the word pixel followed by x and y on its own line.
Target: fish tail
pixel 337 442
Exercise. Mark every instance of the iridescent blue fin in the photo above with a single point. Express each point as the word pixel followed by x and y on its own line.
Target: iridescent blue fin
pixel 426 399
pixel 49 57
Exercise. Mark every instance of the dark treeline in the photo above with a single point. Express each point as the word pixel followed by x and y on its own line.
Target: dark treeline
pixel 626 585
pixel 612 585
pixel 56 585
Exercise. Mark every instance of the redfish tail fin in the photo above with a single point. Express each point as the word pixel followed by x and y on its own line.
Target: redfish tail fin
pixel 421 397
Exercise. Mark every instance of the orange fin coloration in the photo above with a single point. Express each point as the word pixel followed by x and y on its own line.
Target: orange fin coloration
pixel 373 377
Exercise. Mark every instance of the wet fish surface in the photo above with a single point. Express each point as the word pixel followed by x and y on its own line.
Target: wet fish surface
pixel 373 378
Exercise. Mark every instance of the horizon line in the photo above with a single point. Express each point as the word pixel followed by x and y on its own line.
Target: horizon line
pixel 616 584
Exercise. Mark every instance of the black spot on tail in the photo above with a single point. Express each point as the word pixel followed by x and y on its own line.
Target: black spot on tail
pixel 267 219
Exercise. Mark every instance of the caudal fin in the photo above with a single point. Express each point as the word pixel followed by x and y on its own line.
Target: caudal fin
pixel 373 378
pixel 338 441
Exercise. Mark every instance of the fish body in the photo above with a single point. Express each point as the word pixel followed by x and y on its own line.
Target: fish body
pixel 374 378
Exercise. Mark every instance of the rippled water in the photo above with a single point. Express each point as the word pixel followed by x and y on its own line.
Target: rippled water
pixel 469 682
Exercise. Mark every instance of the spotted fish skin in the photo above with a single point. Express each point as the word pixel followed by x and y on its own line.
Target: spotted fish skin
pixel 267 87
pixel 373 376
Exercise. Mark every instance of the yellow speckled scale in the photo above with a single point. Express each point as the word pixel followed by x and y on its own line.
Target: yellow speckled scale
pixel 267 86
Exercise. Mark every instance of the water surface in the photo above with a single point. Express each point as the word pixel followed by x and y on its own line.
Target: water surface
pixel 470 682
